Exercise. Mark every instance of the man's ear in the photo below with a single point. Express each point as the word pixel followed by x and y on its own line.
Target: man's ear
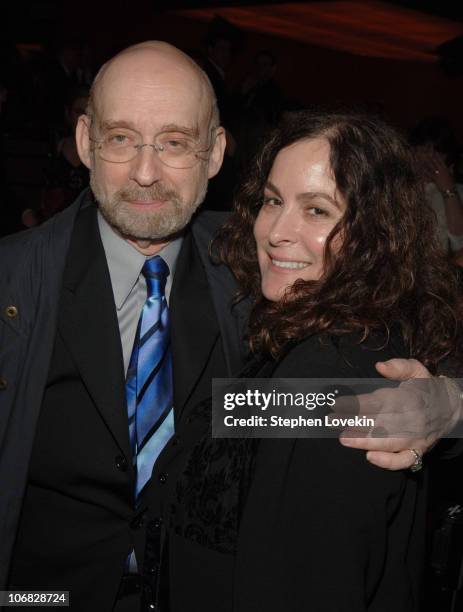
pixel 216 156
pixel 83 140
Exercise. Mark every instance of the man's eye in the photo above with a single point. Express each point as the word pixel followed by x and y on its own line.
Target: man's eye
pixel 176 145
pixel 118 139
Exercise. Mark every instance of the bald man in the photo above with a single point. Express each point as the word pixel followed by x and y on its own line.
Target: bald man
pixel 76 505
pixel 151 139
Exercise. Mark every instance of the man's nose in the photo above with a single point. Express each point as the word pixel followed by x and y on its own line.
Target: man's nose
pixel 146 167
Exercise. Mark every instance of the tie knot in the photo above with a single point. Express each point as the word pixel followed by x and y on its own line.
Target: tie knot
pixel 155 271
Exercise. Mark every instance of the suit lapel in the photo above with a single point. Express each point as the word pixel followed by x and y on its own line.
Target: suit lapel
pixel 88 325
pixel 232 317
pixel 194 325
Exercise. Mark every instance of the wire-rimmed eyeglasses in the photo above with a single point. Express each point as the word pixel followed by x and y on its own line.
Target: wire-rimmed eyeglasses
pixel 174 148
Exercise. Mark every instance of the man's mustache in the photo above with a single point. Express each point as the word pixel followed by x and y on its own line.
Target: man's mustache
pixel 147 194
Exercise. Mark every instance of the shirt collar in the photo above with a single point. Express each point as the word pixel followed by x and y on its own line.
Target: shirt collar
pixel 125 262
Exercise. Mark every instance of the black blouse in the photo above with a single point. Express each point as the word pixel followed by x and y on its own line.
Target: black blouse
pixel 295 524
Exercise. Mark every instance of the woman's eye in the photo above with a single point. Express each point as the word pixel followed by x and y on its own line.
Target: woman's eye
pixel 271 201
pixel 314 211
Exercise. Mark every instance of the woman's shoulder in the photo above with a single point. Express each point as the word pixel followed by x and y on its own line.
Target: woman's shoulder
pixel 346 355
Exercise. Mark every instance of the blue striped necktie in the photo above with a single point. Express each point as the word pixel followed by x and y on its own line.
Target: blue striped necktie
pixel 149 377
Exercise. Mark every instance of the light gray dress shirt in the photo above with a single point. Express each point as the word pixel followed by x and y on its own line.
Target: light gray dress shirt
pixel 128 283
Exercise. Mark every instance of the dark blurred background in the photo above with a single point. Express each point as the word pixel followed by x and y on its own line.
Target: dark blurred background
pixel 402 60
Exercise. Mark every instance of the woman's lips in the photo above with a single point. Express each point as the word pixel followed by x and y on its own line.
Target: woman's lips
pixel 290 265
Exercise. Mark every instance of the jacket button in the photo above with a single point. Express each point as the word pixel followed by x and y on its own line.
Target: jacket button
pixel 3 384
pixel 163 478
pixel 137 522
pixel 156 523
pixel 121 463
pixel 11 312
pixel 152 569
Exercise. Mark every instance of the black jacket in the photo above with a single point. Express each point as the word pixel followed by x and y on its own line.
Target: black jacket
pixel 306 524
pixel 31 277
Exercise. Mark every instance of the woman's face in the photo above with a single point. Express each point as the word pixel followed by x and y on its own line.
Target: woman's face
pixel 300 208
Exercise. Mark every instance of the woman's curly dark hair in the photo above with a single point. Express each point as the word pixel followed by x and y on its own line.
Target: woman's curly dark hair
pixel 389 271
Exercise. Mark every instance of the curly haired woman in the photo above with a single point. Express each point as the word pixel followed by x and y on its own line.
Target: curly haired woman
pixel 331 239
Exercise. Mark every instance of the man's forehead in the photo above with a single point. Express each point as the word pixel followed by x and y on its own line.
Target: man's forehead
pixel 113 122
pixel 153 98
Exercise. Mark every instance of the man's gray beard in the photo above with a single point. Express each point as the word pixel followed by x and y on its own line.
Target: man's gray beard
pixel 159 224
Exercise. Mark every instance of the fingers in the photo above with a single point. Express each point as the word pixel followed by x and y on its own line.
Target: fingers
pixel 392 461
pixel 383 445
pixel 389 453
pixel 389 445
pixel 402 369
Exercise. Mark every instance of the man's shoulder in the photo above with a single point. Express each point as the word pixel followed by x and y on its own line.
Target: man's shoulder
pixel 209 221
pixel 30 245
pixel 204 227
pixel 25 244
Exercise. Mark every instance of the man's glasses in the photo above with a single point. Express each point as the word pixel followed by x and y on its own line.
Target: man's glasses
pixel 174 149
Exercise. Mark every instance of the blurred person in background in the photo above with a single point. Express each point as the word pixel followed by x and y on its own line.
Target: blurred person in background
pixel 437 153
pixel 66 175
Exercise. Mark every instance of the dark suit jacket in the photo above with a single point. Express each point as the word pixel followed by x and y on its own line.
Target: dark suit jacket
pixel 78 523
pixel 318 528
